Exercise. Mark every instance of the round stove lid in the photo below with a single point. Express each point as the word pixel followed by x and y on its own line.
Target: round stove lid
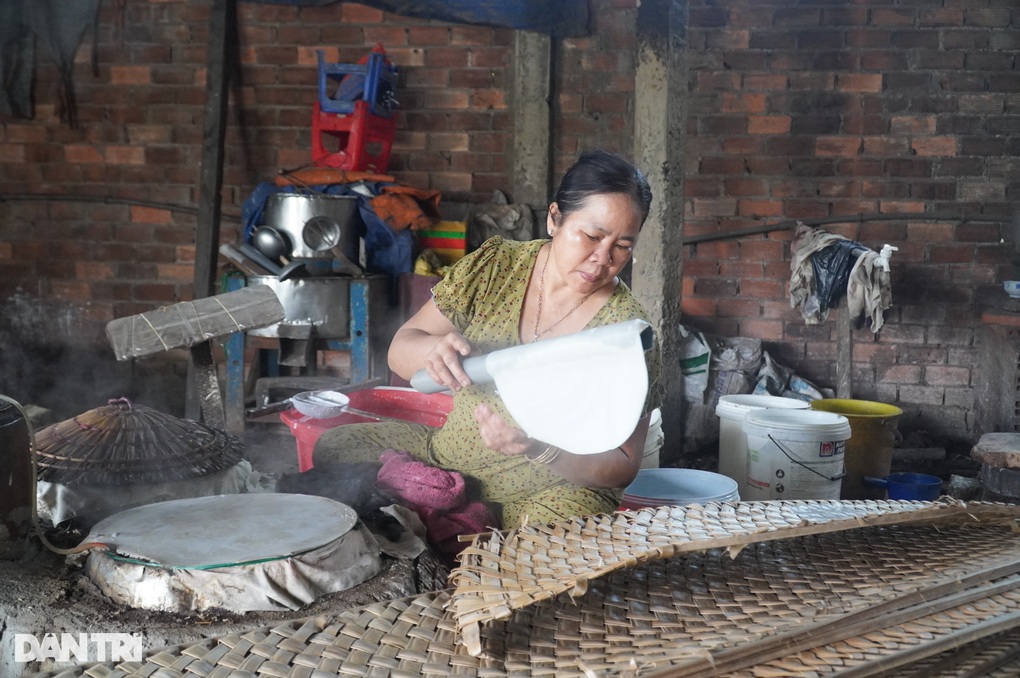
pixel 224 530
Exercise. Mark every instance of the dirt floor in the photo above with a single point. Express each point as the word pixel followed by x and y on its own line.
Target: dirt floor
pixel 43 592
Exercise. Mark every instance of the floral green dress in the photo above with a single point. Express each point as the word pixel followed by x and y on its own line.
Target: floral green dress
pixel 482 295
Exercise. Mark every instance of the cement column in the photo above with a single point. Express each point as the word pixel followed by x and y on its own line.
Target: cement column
pixel 659 123
pixel 531 153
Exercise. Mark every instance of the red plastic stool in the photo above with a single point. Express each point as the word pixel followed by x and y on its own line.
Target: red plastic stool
pixel 398 403
pixel 364 141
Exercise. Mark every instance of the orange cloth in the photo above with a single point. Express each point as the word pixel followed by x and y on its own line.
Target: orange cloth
pixel 406 207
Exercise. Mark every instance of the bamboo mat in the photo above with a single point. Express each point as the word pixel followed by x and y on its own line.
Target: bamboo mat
pixel 876 589
pixel 506 572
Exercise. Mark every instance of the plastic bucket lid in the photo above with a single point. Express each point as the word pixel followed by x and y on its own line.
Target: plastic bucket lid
pixel 797 425
pixel 739 404
pixel 680 486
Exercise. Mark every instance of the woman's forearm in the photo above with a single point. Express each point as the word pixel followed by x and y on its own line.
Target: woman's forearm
pixel 408 349
pixel 615 468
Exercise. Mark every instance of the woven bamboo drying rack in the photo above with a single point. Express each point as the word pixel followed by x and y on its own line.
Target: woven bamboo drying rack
pixel 807 588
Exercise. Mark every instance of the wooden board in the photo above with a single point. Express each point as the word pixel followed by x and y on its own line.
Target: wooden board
pixel 192 322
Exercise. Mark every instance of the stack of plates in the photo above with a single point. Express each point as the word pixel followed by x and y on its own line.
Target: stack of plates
pixel 678 486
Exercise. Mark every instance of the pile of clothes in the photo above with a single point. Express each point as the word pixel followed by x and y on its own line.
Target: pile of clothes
pixel 440 498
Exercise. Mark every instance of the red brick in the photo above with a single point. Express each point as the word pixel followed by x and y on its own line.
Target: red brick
pixel 448 99
pixel 150 215
pixel 743 102
pixel 182 272
pixel 82 154
pixel 496 57
pixel 125 155
pixel 722 80
pixel 859 82
pixel 768 124
pixel 353 13
pixel 428 35
pixel 945 146
pixel 935 375
pixel 698 307
pixel 766 330
pixel 760 208
pixel 24 133
pixel 884 16
pixel 885 145
pixel 12 153
pixel 837 146
pixel 737 308
pixel 471 35
pixel 913 124
pixel 900 206
pixel 130 75
pixel 390 37
pixel 89 270
pixel 745 187
pixel 488 99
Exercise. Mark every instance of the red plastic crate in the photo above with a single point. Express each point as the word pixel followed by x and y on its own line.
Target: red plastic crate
pixel 399 403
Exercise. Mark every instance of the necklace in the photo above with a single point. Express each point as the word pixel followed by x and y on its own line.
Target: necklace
pixel 541 296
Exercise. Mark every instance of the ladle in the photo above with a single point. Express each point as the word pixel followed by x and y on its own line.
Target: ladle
pixel 272 243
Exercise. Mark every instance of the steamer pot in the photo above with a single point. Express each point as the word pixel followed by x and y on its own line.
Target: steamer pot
pixel 323 302
pixel 314 223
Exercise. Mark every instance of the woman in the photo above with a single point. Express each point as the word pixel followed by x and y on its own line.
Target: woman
pixel 508 293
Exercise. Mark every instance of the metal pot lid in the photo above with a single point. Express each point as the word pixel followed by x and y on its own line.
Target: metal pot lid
pixel 224 530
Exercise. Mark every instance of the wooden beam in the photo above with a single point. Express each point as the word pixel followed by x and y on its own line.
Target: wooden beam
pixel 844 351
pixel 207 229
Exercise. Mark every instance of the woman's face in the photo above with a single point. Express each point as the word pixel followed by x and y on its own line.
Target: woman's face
pixel 592 245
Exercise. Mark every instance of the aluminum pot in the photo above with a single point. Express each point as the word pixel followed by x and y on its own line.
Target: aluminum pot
pixel 314 223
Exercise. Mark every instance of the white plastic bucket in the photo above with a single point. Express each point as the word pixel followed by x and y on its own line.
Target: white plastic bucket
pixel 678 486
pixel 795 454
pixel 653 441
pixel 732 440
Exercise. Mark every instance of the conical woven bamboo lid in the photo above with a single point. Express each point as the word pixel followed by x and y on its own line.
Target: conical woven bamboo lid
pixel 122 443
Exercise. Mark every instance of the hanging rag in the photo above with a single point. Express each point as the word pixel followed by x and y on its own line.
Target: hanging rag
pixel 869 291
pixel 57 26
pixel 825 266
pixel 806 243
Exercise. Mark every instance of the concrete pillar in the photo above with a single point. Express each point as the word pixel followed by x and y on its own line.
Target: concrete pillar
pixel 530 165
pixel 659 123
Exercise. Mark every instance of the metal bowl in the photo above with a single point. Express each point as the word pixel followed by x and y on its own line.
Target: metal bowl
pixel 320 404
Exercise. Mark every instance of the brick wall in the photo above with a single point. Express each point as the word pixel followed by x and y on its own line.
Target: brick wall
pixel 138 144
pixel 806 110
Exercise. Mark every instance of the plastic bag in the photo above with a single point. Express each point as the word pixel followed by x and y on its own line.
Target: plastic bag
pixel 513 222
pixel 831 267
pixel 694 358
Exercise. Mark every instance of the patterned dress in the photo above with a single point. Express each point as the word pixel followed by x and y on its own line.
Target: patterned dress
pixel 482 295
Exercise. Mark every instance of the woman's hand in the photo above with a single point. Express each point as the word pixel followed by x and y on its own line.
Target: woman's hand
pixel 500 436
pixel 443 362
pixel 430 342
